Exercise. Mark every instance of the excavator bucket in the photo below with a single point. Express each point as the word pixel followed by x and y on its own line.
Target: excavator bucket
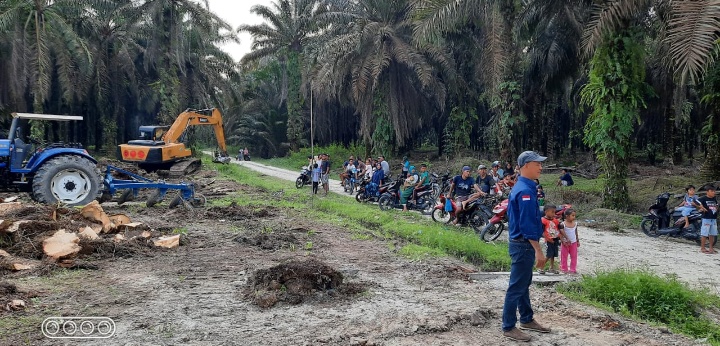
pixel 222 159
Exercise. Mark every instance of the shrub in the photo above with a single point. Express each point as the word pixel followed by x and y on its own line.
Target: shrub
pixel 645 295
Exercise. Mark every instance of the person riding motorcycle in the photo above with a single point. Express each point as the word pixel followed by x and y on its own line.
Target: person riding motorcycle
pixel 424 181
pixel 408 186
pixel 461 189
pixel 377 179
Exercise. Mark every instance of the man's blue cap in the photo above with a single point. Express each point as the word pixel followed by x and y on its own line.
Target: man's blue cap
pixel 529 156
pixel 466 168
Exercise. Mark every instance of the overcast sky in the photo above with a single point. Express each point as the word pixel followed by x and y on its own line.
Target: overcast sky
pixel 237 12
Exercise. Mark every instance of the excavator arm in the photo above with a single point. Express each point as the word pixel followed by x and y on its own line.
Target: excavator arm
pixel 196 118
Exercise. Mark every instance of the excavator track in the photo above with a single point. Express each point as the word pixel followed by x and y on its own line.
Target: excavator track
pixel 184 168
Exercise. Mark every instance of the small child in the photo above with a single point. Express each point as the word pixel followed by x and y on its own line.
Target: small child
pixel 689 203
pixel 315 178
pixel 553 233
pixel 540 194
pixel 570 243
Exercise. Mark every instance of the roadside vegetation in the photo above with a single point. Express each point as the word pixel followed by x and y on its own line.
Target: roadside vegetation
pixel 636 294
pixel 645 296
pixel 429 237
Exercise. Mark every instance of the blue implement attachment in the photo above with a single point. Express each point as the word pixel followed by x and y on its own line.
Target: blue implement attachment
pixel 137 182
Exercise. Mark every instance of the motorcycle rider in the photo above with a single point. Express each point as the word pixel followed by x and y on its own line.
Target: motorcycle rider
pixel 423 181
pixel 408 187
pixel 461 188
pixel 484 180
pixel 689 203
pixel 494 171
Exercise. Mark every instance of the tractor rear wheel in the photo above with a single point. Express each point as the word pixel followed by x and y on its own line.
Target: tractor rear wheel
pixel 70 179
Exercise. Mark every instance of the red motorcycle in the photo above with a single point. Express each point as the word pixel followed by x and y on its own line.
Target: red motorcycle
pixel 498 222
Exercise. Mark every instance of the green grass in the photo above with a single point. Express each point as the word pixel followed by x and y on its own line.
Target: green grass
pixel 347 213
pixel 417 252
pixel 646 296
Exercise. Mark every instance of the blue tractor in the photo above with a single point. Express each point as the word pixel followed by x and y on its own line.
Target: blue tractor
pixel 54 173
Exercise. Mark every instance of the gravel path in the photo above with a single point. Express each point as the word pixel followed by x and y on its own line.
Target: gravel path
pixel 606 250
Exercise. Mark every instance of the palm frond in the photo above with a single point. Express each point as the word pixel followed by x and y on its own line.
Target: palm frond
pixel 692 36
pixel 609 16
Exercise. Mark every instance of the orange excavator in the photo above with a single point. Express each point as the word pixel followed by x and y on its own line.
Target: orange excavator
pixel 162 147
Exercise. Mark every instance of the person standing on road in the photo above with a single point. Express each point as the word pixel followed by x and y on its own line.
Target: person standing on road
pixel 325 178
pixel 708 230
pixel 385 166
pixel 525 230
pixel 316 174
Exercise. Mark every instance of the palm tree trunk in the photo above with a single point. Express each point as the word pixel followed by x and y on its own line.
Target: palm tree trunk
pixel 710 170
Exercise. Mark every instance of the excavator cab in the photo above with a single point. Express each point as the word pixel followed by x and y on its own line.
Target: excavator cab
pixel 150 135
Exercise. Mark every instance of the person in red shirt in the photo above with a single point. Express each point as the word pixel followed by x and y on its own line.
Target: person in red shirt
pixel 553 234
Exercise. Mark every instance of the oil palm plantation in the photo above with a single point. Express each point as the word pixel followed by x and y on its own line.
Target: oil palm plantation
pixel 370 57
pixel 290 26
pixel 44 45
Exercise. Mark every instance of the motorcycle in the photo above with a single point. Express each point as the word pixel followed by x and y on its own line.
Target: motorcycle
pixel 498 222
pixel 366 194
pixel 441 185
pixel 391 199
pixel 661 221
pixel 475 214
pixel 303 179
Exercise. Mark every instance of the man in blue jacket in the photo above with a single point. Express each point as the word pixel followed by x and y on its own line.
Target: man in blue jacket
pixel 525 230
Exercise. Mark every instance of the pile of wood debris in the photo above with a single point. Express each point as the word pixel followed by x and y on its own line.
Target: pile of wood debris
pixel 32 235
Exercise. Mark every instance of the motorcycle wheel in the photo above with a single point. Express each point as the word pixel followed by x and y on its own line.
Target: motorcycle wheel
pixel 299 183
pixel 492 231
pixel 440 215
pixel 649 227
pixel 346 185
pixel 426 205
pixel 478 220
pixel 385 203
pixel 359 197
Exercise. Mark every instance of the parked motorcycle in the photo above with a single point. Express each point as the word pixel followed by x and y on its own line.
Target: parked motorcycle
pixel 365 194
pixel 498 222
pixel 304 178
pixel 661 221
pixel 441 185
pixel 475 215
pixel 391 199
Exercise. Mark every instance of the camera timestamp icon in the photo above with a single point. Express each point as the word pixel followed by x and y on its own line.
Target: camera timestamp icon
pixel 78 327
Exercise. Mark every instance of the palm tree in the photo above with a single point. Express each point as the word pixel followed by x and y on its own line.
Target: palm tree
pixel 688 34
pixel 44 42
pixel 114 44
pixel 290 26
pixel 370 56
pixel 171 27
pixel 552 32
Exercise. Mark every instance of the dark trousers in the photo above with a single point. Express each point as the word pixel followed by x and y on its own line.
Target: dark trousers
pixel 315 187
pixel 517 297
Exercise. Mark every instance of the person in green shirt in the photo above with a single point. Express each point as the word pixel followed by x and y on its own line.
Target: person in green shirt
pixel 423 181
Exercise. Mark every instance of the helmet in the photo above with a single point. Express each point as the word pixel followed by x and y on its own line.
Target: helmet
pixel 496 164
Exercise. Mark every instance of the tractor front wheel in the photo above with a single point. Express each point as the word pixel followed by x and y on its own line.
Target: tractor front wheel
pixel 71 180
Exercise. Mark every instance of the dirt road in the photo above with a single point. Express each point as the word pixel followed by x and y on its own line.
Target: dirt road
pixel 606 250
pixel 205 292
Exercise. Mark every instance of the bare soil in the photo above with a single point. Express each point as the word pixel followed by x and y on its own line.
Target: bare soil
pixel 266 275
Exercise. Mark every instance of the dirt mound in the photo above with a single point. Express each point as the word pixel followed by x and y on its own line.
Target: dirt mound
pixel 296 281
pixel 270 241
pixel 237 212
pixel 107 248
